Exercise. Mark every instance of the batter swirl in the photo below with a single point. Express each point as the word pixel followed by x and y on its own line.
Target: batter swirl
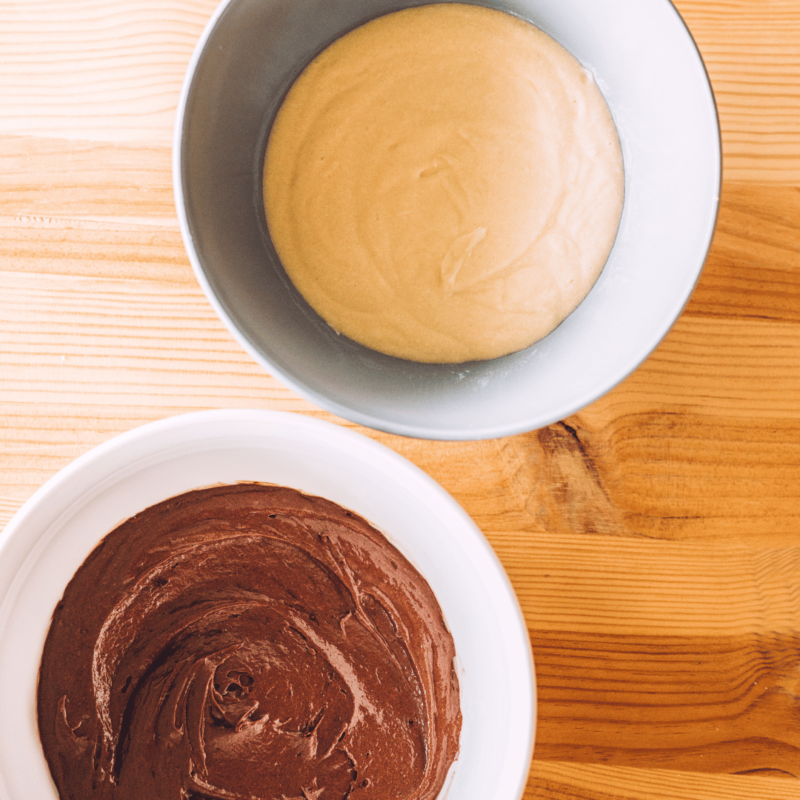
pixel 444 183
pixel 248 642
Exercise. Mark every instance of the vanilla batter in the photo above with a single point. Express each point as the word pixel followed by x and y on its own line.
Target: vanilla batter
pixel 444 183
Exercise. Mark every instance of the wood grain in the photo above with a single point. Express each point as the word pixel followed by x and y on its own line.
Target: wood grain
pixel 558 781
pixel 92 70
pixel 686 703
pixel 753 269
pixel 82 71
pixel 752 54
pixel 66 184
pixel 653 539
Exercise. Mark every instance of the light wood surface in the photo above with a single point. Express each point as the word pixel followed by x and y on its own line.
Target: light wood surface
pixel 653 538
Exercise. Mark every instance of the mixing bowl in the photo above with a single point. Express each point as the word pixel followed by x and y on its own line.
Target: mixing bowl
pixel 49 538
pixel 653 78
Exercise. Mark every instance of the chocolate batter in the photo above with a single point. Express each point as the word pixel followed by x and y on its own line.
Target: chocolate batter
pixel 247 642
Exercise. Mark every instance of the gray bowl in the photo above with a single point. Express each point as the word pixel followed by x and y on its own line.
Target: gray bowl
pixel 653 78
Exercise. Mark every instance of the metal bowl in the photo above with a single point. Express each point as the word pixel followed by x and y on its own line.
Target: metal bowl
pixel 654 80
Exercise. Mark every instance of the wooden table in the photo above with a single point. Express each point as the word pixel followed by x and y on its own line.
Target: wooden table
pixel 653 538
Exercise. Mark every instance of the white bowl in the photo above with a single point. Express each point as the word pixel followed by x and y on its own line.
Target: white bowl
pixel 647 65
pixel 56 529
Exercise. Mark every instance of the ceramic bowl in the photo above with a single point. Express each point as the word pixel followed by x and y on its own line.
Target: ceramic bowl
pixel 651 73
pixel 57 528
